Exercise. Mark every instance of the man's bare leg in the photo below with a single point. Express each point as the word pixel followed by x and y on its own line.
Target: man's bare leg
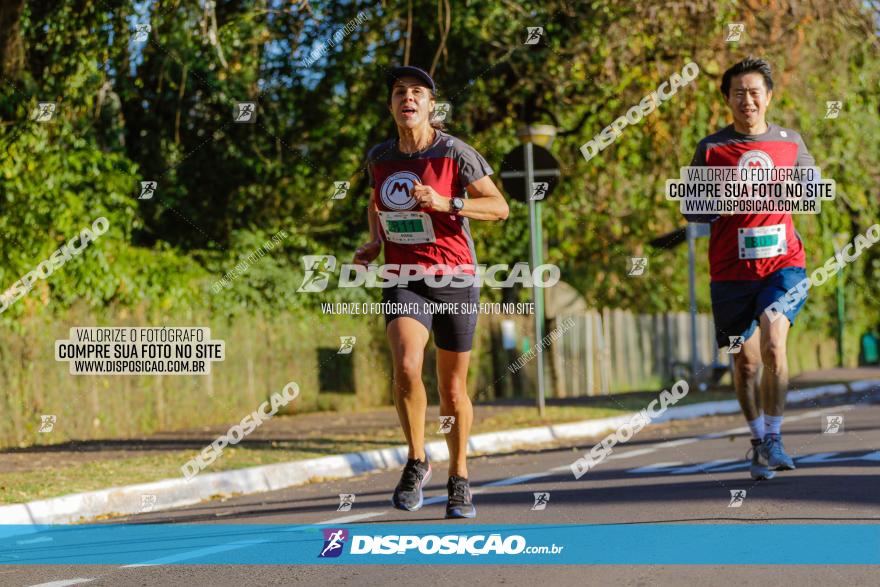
pixel 746 367
pixel 774 380
pixel 774 386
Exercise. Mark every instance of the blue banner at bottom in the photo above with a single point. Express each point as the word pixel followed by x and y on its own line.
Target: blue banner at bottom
pixel 268 544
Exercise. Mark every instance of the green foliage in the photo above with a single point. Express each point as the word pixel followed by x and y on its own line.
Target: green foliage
pixel 162 110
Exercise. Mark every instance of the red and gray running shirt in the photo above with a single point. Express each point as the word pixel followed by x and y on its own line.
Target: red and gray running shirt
pixel 412 235
pixel 778 147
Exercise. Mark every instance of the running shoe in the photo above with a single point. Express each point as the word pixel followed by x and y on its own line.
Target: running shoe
pixel 461 503
pixel 759 468
pixel 774 452
pixel 408 493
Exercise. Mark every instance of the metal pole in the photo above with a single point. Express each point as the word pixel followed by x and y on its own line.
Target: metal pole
pixel 841 309
pixel 536 254
pixel 841 317
pixel 692 290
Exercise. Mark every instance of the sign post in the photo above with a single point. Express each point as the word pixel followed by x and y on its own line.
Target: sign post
pixel 689 234
pixel 538 173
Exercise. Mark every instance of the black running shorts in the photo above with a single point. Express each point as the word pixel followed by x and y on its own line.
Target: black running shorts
pixel 451 312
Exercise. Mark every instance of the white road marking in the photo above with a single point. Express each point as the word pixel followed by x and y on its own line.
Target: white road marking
pixel 517 479
pixel 655 467
pixel 822 457
pixel 34 540
pixel 63 583
pixel 702 467
pixel 351 518
pixel 741 464
pixel 722 465
pixel 680 442
pixel 244 544
pixel 196 553
pixel 633 453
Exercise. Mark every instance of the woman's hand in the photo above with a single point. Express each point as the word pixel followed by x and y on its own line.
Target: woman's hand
pixel 429 199
pixel 368 252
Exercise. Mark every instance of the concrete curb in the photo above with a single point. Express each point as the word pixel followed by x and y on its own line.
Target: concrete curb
pixel 177 492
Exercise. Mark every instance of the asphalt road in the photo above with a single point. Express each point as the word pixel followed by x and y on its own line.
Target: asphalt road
pixel 680 472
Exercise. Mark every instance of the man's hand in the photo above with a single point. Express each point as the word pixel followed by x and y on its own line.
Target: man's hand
pixel 429 199
pixel 367 253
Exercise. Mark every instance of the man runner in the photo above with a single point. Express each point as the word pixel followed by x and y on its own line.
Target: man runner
pixel 745 277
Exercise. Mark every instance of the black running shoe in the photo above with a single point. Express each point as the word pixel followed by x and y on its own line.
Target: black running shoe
pixel 408 494
pixel 461 503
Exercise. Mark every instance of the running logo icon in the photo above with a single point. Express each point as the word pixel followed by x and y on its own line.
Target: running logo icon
pixel 539 189
pixel 832 109
pixel 541 500
pixel 334 540
pixel 446 423
pixel 340 189
pixel 637 266
pixel 346 345
pixel 735 345
pixel 148 502
pixel 318 270
pixel 148 188
pixel 346 500
pixel 735 31
pixel 43 112
pixel 245 112
pixel 737 497
pixel 47 422
pixel 141 33
pixel 833 425
pixel 534 34
pixel 441 111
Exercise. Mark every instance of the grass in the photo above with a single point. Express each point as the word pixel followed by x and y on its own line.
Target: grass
pixel 90 475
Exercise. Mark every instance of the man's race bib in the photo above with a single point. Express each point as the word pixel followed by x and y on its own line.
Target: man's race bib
pixel 762 242
pixel 407 228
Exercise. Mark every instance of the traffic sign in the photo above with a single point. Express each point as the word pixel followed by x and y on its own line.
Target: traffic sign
pixel 513 173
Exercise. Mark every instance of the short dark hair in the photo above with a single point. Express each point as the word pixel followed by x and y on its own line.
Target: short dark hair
pixel 747 65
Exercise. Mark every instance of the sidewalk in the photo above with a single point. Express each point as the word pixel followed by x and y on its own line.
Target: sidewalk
pixel 41 472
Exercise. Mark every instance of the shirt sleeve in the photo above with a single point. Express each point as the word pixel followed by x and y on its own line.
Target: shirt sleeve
pixel 471 166
pixel 699 160
pixel 804 159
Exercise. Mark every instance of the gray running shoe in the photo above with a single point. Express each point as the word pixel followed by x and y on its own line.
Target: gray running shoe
pixel 759 468
pixel 461 502
pixel 774 452
pixel 408 493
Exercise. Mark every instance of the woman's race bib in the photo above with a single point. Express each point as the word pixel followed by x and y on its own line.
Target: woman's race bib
pixel 407 228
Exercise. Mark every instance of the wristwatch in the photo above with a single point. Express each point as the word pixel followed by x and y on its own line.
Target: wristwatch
pixel 457 205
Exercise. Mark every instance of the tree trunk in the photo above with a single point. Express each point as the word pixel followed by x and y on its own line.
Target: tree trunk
pixel 11 43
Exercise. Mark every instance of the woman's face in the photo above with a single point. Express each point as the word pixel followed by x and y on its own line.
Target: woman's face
pixel 411 103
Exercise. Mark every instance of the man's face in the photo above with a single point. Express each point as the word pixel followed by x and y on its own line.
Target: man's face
pixel 748 98
pixel 411 102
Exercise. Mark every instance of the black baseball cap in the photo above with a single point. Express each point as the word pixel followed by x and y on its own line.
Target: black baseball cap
pixel 395 73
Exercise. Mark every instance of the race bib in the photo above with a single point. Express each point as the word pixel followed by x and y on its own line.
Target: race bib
pixel 762 242
pixel 407 228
